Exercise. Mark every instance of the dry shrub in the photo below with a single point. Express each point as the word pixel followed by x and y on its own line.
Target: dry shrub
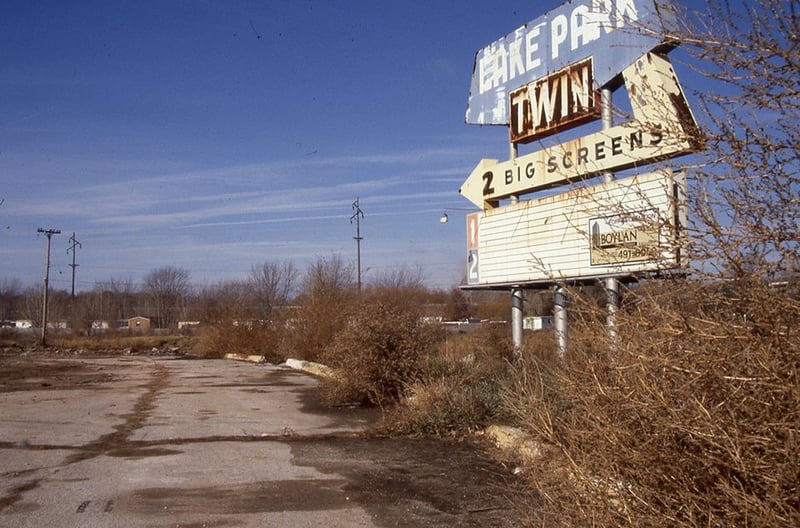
pixel 12 337
pixel 243 337
pixel 317 322
pixel 120 340
pixel 326 303
pixel 457 389
pixel 245 317
pixel 691 418
pixel 376 354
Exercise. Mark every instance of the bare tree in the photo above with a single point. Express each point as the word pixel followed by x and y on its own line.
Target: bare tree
pixel 326 300
pixel 328 276
pixel 167 289
pixel 31 305
pixel 116 299
pixel 225 301
pixel 457 307
pixel 10 292
pixel 272 284
pixel 401 277
pixel 745 201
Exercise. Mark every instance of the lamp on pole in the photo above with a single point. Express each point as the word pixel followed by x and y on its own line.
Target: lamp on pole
pixel 445 218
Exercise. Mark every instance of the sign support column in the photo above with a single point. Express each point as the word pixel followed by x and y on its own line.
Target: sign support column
pixel 560 319
pixel 517 302
pixel 611 283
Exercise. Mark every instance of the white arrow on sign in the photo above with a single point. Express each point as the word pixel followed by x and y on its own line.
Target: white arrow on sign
pixel 664 127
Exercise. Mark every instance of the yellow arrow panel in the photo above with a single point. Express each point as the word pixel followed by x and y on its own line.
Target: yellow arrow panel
pixel 617 148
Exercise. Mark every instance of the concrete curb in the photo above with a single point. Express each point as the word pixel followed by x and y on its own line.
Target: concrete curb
pixel 317 369
pixel 249 359
pixel 509 439
pixel 514 441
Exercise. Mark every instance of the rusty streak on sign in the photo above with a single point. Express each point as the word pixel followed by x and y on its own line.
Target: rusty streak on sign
pixel 663 127
pixel 613 32
pixel 562 100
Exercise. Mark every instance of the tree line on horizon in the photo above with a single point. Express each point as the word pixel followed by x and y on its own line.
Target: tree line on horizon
pixel 166 295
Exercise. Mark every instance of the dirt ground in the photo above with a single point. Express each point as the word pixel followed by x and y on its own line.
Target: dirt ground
pixel 407 482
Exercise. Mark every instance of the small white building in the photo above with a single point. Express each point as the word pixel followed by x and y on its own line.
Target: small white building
pixel 538 322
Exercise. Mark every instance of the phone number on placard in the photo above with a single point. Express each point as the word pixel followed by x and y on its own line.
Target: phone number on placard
pixel 639 252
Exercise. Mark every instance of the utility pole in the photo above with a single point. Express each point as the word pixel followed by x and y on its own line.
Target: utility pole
pixel 357 216
pixel 73 244
pixel 48 233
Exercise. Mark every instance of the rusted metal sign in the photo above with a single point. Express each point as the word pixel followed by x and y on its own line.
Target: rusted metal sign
pixel 562 100
pixel 663 127
pixel 613 32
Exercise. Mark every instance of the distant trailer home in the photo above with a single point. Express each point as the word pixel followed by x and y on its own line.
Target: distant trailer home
pixel 138 323
pixel 544 322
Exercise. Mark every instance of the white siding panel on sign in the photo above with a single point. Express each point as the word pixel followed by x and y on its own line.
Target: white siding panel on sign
pixel 614 228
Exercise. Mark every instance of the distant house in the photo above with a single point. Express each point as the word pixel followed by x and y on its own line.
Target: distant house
pixel 139 323
pixel 541 322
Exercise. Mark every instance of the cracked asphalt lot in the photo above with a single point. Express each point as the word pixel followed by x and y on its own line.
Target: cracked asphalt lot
pixel 157 442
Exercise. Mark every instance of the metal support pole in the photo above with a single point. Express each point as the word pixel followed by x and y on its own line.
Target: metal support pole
pixel 611 284
pixel 517 308
pixel 48 233
pixel 517 319
pixel 560 320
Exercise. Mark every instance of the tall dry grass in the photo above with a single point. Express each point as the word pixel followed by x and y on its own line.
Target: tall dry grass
pixel 691 417
pixel 458 386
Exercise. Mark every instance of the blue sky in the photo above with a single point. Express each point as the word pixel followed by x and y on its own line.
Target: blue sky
pixel 218 135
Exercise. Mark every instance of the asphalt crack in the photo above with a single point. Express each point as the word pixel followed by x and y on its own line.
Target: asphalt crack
pixel 104 444
pixel 17 492
pixel 133 421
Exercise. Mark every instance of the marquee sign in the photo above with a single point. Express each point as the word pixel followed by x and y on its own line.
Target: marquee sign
pixel 564 99
pixel 615 228
pixel 614 33
pixel 663 127
pixel 545 77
